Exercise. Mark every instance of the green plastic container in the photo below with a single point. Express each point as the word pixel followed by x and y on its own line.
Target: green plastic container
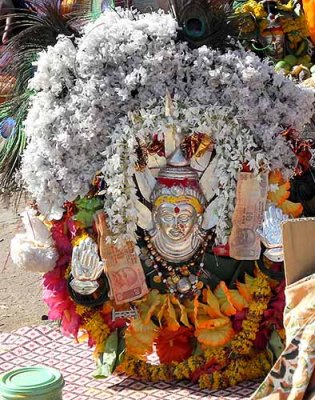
pixel 31 383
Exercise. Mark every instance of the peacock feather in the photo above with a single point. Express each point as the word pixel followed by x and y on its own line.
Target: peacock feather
pixel 206 22
pixel 32 30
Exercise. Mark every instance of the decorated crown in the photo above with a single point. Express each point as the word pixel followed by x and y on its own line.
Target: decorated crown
pixel 177 182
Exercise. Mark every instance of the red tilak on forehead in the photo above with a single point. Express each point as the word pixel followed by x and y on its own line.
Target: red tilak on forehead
pixel 176 210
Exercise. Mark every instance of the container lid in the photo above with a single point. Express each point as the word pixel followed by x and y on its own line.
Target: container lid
pixel 35 380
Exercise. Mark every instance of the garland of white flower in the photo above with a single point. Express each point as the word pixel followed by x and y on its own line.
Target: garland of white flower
pixel 118 173
pixel 77 124
pixel 234 148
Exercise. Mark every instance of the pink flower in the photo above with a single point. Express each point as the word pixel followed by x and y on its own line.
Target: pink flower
pixel 61 306
pixel 53 279
pixel 70 321
pixel 56 295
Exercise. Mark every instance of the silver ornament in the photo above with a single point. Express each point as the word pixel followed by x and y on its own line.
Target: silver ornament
pixel 86 267
pixel 183 286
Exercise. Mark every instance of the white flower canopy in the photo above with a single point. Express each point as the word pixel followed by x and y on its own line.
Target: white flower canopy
pixel 124 62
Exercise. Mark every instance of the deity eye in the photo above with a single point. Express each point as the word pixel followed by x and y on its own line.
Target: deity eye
pixel 184 218
pixel 167 217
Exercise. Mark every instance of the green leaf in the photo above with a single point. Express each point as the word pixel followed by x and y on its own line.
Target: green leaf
pixel 85 217
pixel 107 361
pixel 121 347
pixel 86 210
pixel 93 203
pixel 275 345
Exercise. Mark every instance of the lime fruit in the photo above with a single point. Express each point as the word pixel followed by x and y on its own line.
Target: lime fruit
pixel 282 65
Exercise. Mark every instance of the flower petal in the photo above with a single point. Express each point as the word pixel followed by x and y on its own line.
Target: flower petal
pixel 139 338
pixel 216 337
pixel 223 295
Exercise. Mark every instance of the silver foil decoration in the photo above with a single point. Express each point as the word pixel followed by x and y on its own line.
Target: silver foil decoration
pixel 144 216
pixel 131 313
pixel 86 267
pixel 210 216
pixel 271 233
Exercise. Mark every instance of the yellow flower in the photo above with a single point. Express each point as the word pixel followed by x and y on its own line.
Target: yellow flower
pixel 182 370
pixel 195 362
pixel 94 325
pixel 254 8
pixel 139 338
pixel 205 381
pixel 79 238
pixel 218 354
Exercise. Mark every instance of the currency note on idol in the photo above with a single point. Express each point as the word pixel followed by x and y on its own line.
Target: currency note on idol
pixel 251 195
pixel 122 266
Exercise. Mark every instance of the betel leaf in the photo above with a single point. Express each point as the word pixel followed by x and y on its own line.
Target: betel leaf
pixel 87 207
pixel 107 361
pixel 112 356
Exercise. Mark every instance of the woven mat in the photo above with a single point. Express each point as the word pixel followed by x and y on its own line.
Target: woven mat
pixel 45 345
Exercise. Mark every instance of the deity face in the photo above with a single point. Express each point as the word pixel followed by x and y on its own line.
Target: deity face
pixel 176 221
pixel 177 215
pixel 177 233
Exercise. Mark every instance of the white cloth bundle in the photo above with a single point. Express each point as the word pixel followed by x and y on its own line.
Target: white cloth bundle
pixel 34 249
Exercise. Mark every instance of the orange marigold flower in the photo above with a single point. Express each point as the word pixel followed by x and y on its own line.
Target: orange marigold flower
pixel 292 209
pixel 275 177
pixel 280 196
pixel 174 345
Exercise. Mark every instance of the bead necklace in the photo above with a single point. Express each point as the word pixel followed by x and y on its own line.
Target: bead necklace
pixel 178 279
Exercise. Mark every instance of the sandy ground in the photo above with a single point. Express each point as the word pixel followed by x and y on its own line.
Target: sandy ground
pixel 20 291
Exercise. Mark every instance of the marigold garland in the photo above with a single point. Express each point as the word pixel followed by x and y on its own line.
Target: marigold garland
pixel 245 367
pixel 261 294
pixel 217 367
pixel 238 370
